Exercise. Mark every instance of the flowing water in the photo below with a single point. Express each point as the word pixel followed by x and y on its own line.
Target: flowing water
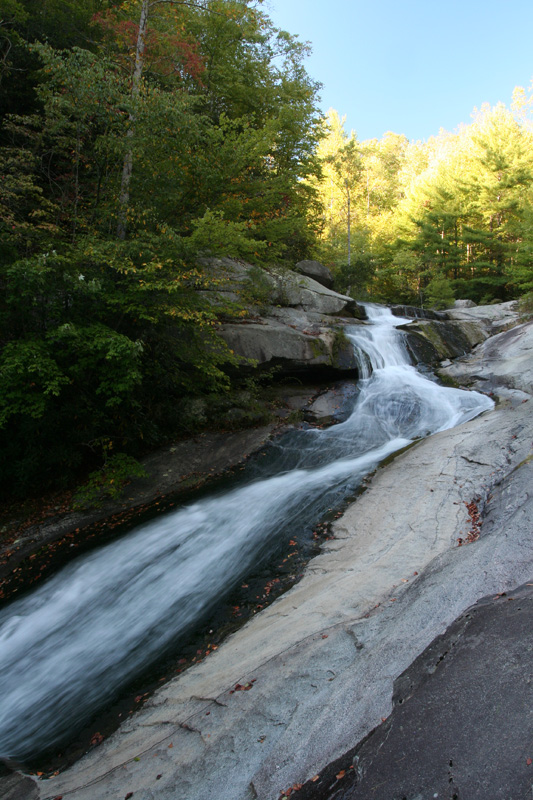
pixel 67 647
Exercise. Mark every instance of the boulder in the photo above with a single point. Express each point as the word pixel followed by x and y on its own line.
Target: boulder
pixel 503 360
pixel 257 288
pixel 302 292
pixel 494 317
pixel 317 271
pixel 294 348
pixel 291 321
pixel 435 340
pixel 464 304
pixel 414 312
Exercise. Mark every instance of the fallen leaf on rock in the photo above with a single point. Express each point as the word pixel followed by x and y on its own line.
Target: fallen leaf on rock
pixel 528 762
pixel 130 794
pixel 340 774
pixel 316 778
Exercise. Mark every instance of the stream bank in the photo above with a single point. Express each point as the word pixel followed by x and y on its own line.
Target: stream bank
pixel 292 327
pixel 315 563
pixel 31 550
pixel 318 666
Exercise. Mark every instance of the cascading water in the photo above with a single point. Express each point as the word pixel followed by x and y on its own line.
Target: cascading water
pixel 66 648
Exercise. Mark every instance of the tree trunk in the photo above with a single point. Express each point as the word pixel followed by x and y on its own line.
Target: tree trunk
pixel 127 168
pixel 349 231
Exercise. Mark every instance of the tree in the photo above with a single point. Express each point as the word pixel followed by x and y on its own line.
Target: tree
pixel 103 336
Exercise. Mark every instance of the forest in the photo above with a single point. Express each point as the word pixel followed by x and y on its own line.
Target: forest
pixel 139 135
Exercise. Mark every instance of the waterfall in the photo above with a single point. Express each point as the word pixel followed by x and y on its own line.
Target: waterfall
pixel 69 645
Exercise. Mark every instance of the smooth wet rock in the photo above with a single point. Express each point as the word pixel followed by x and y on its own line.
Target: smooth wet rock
pixel 462 715
pixel 16 786
pixel 333 405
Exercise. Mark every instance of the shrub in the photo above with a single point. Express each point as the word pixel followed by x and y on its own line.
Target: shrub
pixel 108 481
pixel 525 306
pixel 439 293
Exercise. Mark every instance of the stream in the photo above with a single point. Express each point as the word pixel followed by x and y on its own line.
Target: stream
pixel 68 647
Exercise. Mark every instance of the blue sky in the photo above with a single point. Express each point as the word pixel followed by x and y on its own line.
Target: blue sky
pixel 412 66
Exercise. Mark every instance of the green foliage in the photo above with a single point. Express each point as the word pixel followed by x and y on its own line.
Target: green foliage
pixel 259 290
pixel 215 236
pixel 29 379
pixel 525 306
pixel 108 482
pixel 439 293
pixel 355 277
pixel 102 337
pixel 457 207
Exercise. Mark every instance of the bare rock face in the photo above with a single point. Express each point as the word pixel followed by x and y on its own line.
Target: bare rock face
pixel 503 360
pixel 317 271
pixel 321 662
pixel 415 312
pixel 293 321
pixel 434 340
pixel 257 288
pixel 454 332
pixel 271 342
pixel 302 292
pixel 494 317
pixel 464 304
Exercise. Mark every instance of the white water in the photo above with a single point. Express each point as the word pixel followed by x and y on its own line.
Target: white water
pixel 67 647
